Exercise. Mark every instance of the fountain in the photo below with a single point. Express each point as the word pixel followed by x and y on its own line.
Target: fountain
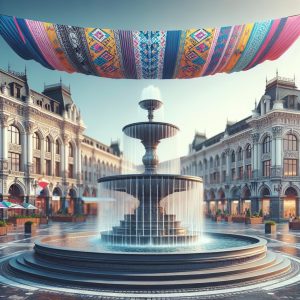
pixel 154 243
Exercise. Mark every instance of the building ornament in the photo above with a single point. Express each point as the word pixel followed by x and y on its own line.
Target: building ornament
pixel 29 127
pixel 14 148
pixel 277 131
pixel 255 137
pixel 4 120
pixel 65 138
pixel 266 156
pixel 290 154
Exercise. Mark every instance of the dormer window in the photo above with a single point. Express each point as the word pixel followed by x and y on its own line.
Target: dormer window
pixel 18 92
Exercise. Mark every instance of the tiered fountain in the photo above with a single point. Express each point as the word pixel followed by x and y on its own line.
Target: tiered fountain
pixel 154 219
pixel 154 242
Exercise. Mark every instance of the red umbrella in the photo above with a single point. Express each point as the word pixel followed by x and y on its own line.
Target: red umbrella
pixel 43 183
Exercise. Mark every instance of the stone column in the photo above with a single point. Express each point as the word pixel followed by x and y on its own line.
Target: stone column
pixel 29 126
pixel 227 153
pixel 255 155
pixel 278 151
pixel 78 159
pixel 276 208
pixel 65 155
pixel 4 136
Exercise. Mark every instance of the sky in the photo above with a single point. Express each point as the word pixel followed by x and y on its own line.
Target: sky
pixel 202 104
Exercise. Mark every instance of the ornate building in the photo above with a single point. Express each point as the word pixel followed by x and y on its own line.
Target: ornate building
pixel 42 136
pixel 254 163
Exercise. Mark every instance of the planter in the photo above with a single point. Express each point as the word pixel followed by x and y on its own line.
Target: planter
pixel 254 220
pixel 21 221
pixel 228 218
pixel 3 230
pixel 270 228
pixel 68 218
pixel 29 228
pixel 238 219
pixel 10 227
pixel 294 225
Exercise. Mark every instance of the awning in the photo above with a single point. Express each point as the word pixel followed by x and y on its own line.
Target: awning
pixel 3 206
pixel 97 199
pixel 29 206
pixel 17 206
pixel 7 204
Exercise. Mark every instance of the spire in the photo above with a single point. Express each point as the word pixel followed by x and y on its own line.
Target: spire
pixel 276 72
pixel 60 80
pixel 25 70
pixel 255 104
pixel 8 67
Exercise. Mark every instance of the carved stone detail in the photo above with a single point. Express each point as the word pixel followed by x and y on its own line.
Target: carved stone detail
pixel 36 152
pixel 47 155
pixel 266 156
pixel 276 171
pixel 65 138
pixel 255 137
pixel 277 131
pixel 4 120
pixel 29 127
pixel 15 148
pixel 290 154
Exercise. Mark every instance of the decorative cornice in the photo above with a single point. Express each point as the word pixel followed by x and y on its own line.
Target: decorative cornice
pixel 277 131
pixel 255 137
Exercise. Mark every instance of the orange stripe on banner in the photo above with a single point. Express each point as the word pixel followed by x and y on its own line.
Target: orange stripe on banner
pixel 49 28
pixel 245 35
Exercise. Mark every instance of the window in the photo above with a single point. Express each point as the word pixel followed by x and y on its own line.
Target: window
pixel 14 161
pixel 217 160
pixel 36 165
pixel 57 147
pixel 13 135
pixel 36 141
pixel 57 169
pixel 240 154
pixel 48 167
pixel 241 171
pixel 71 151
pixel 223 159
pixel 90 176
pixel 267 145
pixel 232 156
pixel 48 144
pixel 290 143
pixel 266 168
pixel 249 171
pixel 70 171
pixel 248 151
pixel 85 175
pixel 224 176
pixel 290 167
pixel 18 92
pixel 233 174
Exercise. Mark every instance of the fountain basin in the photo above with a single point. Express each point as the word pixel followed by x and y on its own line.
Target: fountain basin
pixel 72 266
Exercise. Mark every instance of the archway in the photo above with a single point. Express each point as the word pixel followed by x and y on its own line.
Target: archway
pixel 71 201
pixel 246 199
pixel 16 193
pixel 264 203
pixel 222 202
pixel 56 199
pixel 235 201
pixel 290 203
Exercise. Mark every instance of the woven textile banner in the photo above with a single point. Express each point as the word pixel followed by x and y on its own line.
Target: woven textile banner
pixel 150 54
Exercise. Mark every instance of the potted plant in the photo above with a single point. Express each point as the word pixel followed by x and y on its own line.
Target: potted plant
pixel 3 228
pixel 218 216
pixel 253 219
pixel 29 227
pixel 270 227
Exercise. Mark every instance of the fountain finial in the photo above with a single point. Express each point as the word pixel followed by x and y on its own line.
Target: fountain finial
pixel 150 105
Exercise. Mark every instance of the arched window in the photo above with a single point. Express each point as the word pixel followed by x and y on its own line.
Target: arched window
pixel 36 141
pixel 240 154
pixel 290 142
pixel 48 144
pixel 232 156
pixel 211 162
pixel 248 151
pixel 223 159
pixel 57 147
pixel 13 135
pixel 267 144
pixel 85 161
pixel 71 150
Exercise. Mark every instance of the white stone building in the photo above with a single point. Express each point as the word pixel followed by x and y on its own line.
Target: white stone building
pixel 254 163
pixel 42 137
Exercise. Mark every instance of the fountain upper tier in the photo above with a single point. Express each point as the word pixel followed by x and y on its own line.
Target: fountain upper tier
pixel 150 133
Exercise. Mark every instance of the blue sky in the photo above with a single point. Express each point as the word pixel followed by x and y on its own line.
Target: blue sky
pixel 202 104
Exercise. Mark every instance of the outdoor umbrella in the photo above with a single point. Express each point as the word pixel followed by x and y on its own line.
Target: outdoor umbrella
pixel 16 206
pixel 3 206
pixel 29 206
pixel 7 204
pixel 43 183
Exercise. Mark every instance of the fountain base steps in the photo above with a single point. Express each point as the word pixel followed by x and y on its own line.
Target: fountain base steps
pixel 145 271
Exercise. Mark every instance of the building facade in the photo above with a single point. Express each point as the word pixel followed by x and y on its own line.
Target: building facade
pixel 254 163
pixel 42 138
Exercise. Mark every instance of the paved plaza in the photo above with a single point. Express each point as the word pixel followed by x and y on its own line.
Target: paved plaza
pixel 285 241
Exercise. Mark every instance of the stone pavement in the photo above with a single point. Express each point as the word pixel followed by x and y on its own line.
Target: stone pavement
pixel 284 241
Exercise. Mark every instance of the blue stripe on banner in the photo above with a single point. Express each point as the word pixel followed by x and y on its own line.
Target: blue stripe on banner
pixel 31 44
pixel 172 45
pixel 11 35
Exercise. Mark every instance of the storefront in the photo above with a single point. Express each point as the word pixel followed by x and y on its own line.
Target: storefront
pixel 56 201
pixel 264 203
pixel 212 206
pixel 235 207
pixel 290 203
